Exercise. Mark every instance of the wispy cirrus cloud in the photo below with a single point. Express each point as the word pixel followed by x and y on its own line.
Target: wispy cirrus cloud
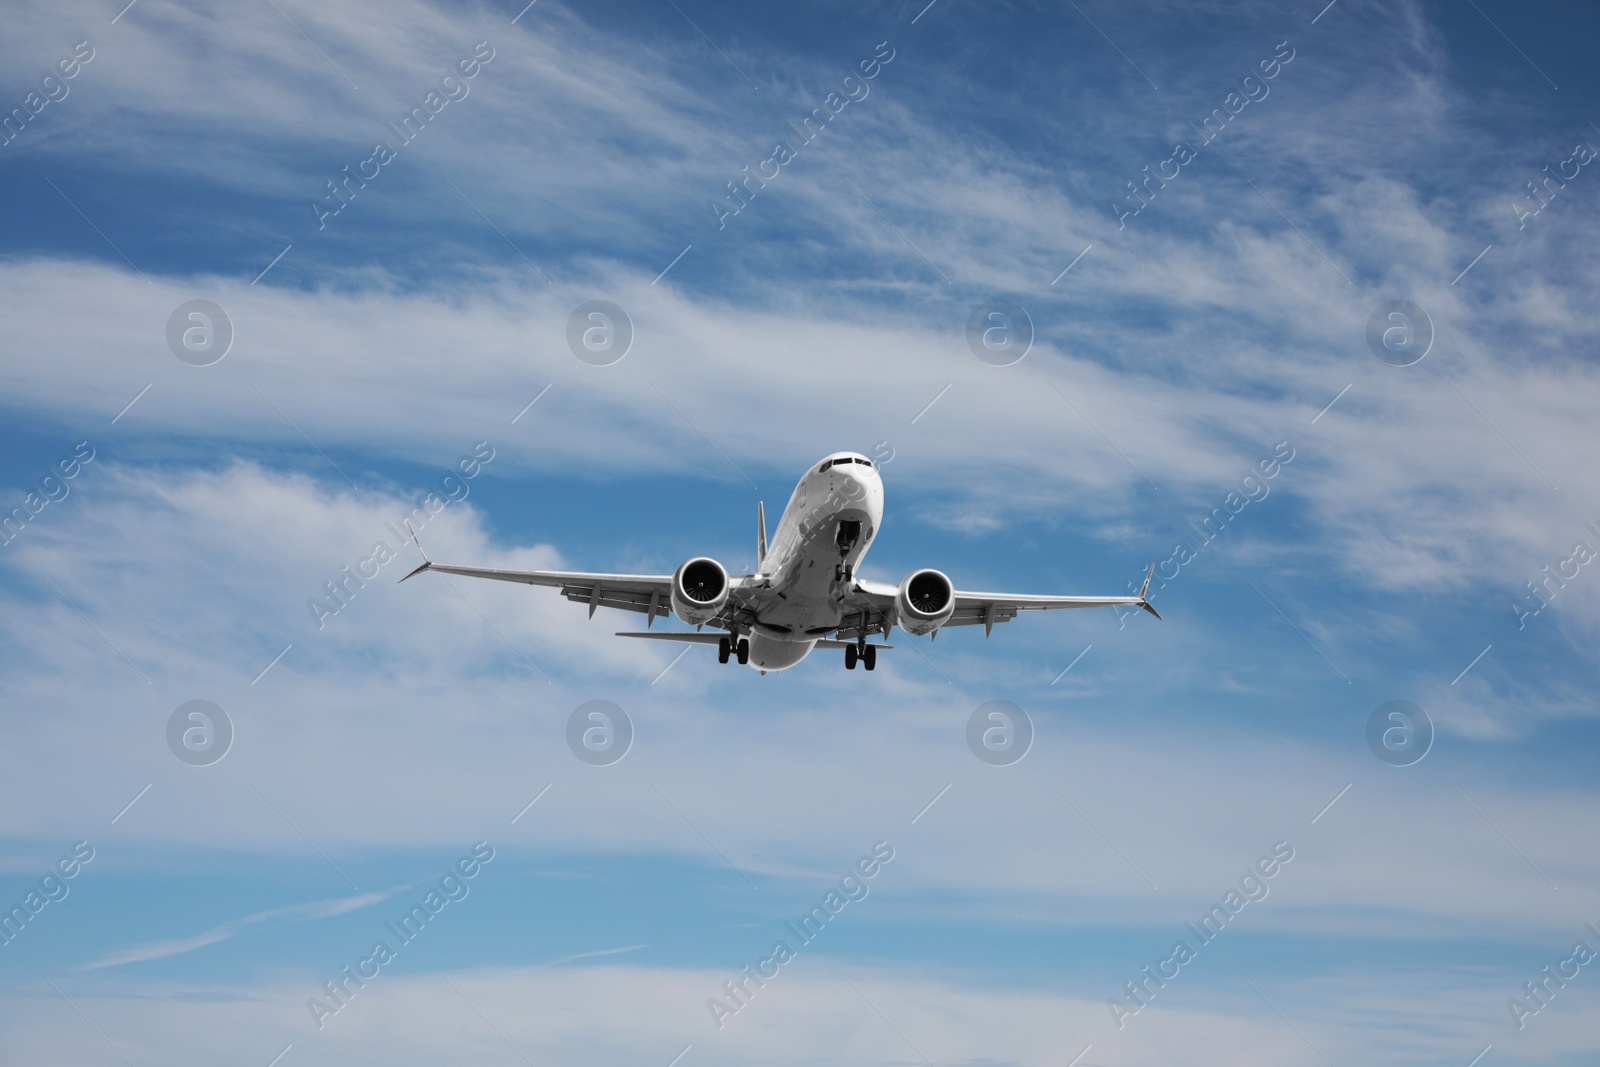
pixel 312 910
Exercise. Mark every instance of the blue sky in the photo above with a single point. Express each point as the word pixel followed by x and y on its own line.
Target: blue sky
pixel 1382 161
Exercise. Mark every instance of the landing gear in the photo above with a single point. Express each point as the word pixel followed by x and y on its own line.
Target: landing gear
pixel 861 652
pixel 743 650
pixel 728 646
pixel 724 648
pixel 849 534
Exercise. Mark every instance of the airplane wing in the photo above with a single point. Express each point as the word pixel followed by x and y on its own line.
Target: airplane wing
pixel 649 594
pixel 873 605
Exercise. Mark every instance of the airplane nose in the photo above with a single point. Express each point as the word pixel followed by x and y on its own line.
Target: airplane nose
pixel 865 477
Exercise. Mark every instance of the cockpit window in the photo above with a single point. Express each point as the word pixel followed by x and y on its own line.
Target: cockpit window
pixel 867 462
pixel 839 462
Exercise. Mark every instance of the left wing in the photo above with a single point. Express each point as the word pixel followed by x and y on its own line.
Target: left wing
pixel 872 605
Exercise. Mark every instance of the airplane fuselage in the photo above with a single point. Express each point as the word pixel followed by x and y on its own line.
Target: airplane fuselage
pixel 820 540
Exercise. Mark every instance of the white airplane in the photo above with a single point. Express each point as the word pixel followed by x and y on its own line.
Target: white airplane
pixel 804 593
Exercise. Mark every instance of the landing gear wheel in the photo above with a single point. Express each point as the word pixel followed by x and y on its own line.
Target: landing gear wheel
pixel 849 657
pixel 724 647
pixel 744 650
pixel 869 657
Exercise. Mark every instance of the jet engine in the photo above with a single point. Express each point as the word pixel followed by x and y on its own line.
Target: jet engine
pixel 924 602
pixel 699 590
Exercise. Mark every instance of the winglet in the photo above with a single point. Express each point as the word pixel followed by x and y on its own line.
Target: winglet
pixel 761 533
pixel 426 562
pixel 1143 603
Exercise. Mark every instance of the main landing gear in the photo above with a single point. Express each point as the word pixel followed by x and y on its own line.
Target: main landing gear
pixel 726 648
pixel 866 654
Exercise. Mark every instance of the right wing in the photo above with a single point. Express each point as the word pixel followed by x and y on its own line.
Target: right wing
pixel 647 593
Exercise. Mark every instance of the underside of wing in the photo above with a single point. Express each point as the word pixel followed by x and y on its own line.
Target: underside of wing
pixel 869 607
pixel 648 594
pixel 872 606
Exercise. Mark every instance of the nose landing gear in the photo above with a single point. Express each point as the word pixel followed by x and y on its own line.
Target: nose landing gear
pixel 849 534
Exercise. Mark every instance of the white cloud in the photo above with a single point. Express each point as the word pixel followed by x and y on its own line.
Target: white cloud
pixel 157 950
pixel 317 909
pixel 816 1009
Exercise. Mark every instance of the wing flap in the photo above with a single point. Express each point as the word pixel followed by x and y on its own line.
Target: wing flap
pixel 657 602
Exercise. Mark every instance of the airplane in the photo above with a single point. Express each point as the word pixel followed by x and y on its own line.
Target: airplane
pixel 804 593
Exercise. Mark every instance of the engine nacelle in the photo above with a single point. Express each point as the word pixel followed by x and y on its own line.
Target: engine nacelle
pixel 699 590
pixel 924 602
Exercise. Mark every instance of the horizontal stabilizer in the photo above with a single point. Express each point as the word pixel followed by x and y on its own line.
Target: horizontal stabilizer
pixel 711 639
pixel 688 639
